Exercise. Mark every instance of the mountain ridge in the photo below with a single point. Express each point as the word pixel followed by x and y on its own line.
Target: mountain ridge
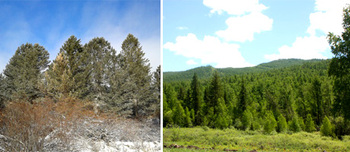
pixel 206 71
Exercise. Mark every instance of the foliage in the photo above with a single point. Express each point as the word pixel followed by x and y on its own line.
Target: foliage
pixel 282 124
pixel 294 124
pixel 234 139
pixel 247 119
pixel 326 128
pixel 339 67
pixel 24 72
pixel 309 124
pixel 270 123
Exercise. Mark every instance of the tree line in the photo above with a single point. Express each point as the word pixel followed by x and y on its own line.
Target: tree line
pixel 120 83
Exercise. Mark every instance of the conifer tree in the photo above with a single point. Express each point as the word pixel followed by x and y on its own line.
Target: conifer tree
pixel 242 99
pixel 282 124
pixel 24 72
pixel 2 91
pixel 196 99
pixel 188 121
pixel 326 128
pixel 294 124
pixel 270 123
pixel 102 60
pixel 309 124
pixel 72 69
pixel 179 115
pixel 247 119
pixel 137 67
pixel 215 92
pixel 222 119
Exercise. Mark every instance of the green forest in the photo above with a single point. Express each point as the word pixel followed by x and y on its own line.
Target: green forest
pixel 286 96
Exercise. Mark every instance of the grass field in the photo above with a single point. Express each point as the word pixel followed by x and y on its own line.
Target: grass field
pixel 233 139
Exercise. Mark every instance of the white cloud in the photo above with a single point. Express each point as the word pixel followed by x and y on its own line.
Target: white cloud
pixel 328 16
pixel 243 28
pixel 210 50
pixel 303 48
pixel 182 28
pixel 191 62
pixel 234 7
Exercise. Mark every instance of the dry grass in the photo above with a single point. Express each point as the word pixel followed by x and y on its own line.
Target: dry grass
pixel 67 125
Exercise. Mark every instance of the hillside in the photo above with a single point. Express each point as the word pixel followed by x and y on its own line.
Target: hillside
pixel 206 71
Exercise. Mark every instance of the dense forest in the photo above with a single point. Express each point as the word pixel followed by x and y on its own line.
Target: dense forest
pixel 292 98
pixel 85 96
pixel 283 96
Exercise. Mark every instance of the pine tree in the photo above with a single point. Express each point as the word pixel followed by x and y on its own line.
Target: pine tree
pixel 326 128
pixel 137 69
pixel 294 125
pixel 155 103
pixel 215 92
pixel 270 123
pixel 317 100
pixel 222 119
pixel 188 121
pixel 2 91
pixel 57 78
pixel 247 119
pixel 309 124
pixel 102 60
pixel 196 99
pixel 282 124
pixel 179 115
pixel 242 99
pixel 24 72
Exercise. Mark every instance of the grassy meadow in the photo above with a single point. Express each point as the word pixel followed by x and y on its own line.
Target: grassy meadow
pixel 232 139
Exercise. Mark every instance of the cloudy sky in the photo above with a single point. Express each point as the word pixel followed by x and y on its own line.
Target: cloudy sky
pixel 51 23
pixel 241 33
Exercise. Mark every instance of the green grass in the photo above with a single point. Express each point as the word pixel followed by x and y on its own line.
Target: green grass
pixel 249 140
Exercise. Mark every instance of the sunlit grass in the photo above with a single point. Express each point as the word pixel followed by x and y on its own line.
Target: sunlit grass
pixel 250 140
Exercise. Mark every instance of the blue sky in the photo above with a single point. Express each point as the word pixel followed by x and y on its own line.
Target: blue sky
pixel 241 33
pixel 51 23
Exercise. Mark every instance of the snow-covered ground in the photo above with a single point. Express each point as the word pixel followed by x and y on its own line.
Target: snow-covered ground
pixel 91 135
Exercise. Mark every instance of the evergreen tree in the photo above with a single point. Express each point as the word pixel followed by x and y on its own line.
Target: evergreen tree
pixel 102 60
pixel 340 66
pixel 215 92
pixel 317 100
pixel 2 91
pixel 188 121
pixel 69 74
pixel 222 119
pixel 24 72
pixel 137 69
pixel 242 99
pixel 196 99
pixel 326 128
pixel 155 105
pixel 294 124
pixel 282 124
pixel 270 123
pixel 179 115
pixel 247 119
pixel 309 124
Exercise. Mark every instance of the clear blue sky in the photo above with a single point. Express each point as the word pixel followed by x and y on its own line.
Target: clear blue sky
pixel 241 33
pixel 51 23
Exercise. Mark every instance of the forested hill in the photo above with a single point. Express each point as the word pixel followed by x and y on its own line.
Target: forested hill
pixel 205 72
